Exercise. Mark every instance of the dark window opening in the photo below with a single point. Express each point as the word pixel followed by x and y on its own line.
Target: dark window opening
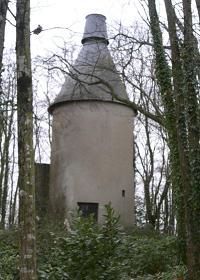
pixel 123 193
pixel 88 209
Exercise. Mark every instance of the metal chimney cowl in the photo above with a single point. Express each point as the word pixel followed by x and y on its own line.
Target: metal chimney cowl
pixel 95 27
pixel 93 61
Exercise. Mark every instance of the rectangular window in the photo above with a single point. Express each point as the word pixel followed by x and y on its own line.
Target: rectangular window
pixel 88 208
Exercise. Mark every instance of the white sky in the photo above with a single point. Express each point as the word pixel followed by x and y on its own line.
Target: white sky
pixel 70 14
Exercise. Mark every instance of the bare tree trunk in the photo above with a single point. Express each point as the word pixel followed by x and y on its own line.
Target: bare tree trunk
pixel 154 192
pixel 5 185
pixel 8 134
pixel 2 164
pixel 166 216
pixel 3 12
pixel 13 196
pixel 13 208
pixel 198 8
pixel 8 123
pixel 25 143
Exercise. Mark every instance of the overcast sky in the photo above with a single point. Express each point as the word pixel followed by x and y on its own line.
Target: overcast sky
pixel 70 14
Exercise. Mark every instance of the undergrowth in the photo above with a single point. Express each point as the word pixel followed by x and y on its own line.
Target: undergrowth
pixel 93 252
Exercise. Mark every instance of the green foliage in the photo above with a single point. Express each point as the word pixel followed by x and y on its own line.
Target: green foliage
pixel 88 252
pixel 177 272
pixel 9 256
pixel 106 252
pixel 149 254
pixel 100 252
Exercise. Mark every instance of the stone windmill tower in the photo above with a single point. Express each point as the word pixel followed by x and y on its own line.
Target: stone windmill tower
pixel 92 146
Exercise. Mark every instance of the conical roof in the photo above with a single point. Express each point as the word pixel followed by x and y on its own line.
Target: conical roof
pixel 94 74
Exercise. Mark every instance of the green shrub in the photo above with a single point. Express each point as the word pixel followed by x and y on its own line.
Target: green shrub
pixel 88 252
pixel 94 252
pixel 149 255
pixel 176 272
pixel 103 252
pixel 9 256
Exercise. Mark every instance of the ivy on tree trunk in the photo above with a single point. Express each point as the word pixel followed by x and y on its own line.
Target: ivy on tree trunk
pixel 184 137
pixel 193 124
pixel 163 75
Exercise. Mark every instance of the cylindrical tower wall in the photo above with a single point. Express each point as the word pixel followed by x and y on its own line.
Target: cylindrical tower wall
pixel 92 158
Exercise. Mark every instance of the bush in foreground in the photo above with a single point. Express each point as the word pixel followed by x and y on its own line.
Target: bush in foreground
pixel 106 252
pixel 91 252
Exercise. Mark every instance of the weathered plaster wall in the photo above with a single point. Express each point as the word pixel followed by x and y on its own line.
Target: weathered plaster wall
pixel 42 171
pixel 92 157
